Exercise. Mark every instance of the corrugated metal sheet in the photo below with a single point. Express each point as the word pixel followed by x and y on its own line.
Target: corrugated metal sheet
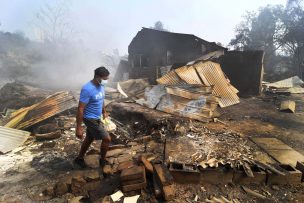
pixel 209 74
pixel 199 109
pixel 287 83
pixel 189 75
pixel 189 92
pixel 11 138
pixel 171 78
pixel 52 105
pixel 212 74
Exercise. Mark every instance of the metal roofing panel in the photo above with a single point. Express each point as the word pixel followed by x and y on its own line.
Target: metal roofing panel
pixel 36 113
pixel 189 92
pixel 200 109
pixel 189 75
pixel 287 83
pixel 11 138
pixel 213 74
pixel 171 78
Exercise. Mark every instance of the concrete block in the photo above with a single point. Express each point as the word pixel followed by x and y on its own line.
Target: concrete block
pixel 240 177
pixel 219 175
pixel 292 177
pixel 184 173
pixel 300 167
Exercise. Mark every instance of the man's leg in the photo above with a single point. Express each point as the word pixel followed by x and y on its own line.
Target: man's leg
pixel 104 148
pixel 85 146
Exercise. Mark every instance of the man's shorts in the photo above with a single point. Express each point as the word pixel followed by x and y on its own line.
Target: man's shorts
pixel 95 129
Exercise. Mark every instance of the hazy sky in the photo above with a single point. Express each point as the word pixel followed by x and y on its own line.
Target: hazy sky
pixel 105 25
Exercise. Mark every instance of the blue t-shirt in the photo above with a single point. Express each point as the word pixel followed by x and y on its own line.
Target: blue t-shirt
pixel 93 96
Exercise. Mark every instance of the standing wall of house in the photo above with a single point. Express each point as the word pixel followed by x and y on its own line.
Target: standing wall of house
pixel 245 70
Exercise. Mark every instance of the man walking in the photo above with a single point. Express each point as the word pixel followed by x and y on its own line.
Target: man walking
pixel 91 106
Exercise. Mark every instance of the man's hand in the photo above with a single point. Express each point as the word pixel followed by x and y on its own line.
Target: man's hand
pixel 105 114
pixel 79 132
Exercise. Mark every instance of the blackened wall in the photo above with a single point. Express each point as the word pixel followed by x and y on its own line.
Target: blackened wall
pixel 245 70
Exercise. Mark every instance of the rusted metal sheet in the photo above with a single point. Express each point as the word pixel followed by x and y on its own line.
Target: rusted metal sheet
pixel 11 138
pixel 199 109
pixel 189 91
pixel 287 83
pixel 52 105
pixel 171 78
pixel 189 75
pixel 208 74
pixel 212 74
pixel 132 86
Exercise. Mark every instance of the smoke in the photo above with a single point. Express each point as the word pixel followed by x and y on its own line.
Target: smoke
pixel 57 58
pixel 49 65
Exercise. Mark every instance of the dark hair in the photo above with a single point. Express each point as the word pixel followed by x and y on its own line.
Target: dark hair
pixel 101 71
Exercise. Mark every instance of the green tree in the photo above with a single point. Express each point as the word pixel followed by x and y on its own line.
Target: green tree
pixel 258 31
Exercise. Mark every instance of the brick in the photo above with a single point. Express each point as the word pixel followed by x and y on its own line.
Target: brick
pixel 240 177
pixel 147 164
pixel 115 152
pixel 125 165
pixel 131 182
pixel 292 177
pixel 300 167
pixel 132 173
pixel 163 174
pixel 124 158
pixel 184 173
pixel 219 175
pixel 138 186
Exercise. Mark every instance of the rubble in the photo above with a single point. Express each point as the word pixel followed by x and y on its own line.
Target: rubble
pixel 161 149
pixel 16 95
pixel 293 85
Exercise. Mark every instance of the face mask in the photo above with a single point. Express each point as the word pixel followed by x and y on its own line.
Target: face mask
pixel 103 82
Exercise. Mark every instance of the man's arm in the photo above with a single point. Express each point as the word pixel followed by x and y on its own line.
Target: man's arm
pixel 79 120
pixel 104 112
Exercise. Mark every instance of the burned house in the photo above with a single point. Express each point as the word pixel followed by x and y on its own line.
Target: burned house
pixel 151 49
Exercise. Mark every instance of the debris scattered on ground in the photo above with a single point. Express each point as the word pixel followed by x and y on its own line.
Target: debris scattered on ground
pixel 117 196
pixel 293 85
pixel 288 106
